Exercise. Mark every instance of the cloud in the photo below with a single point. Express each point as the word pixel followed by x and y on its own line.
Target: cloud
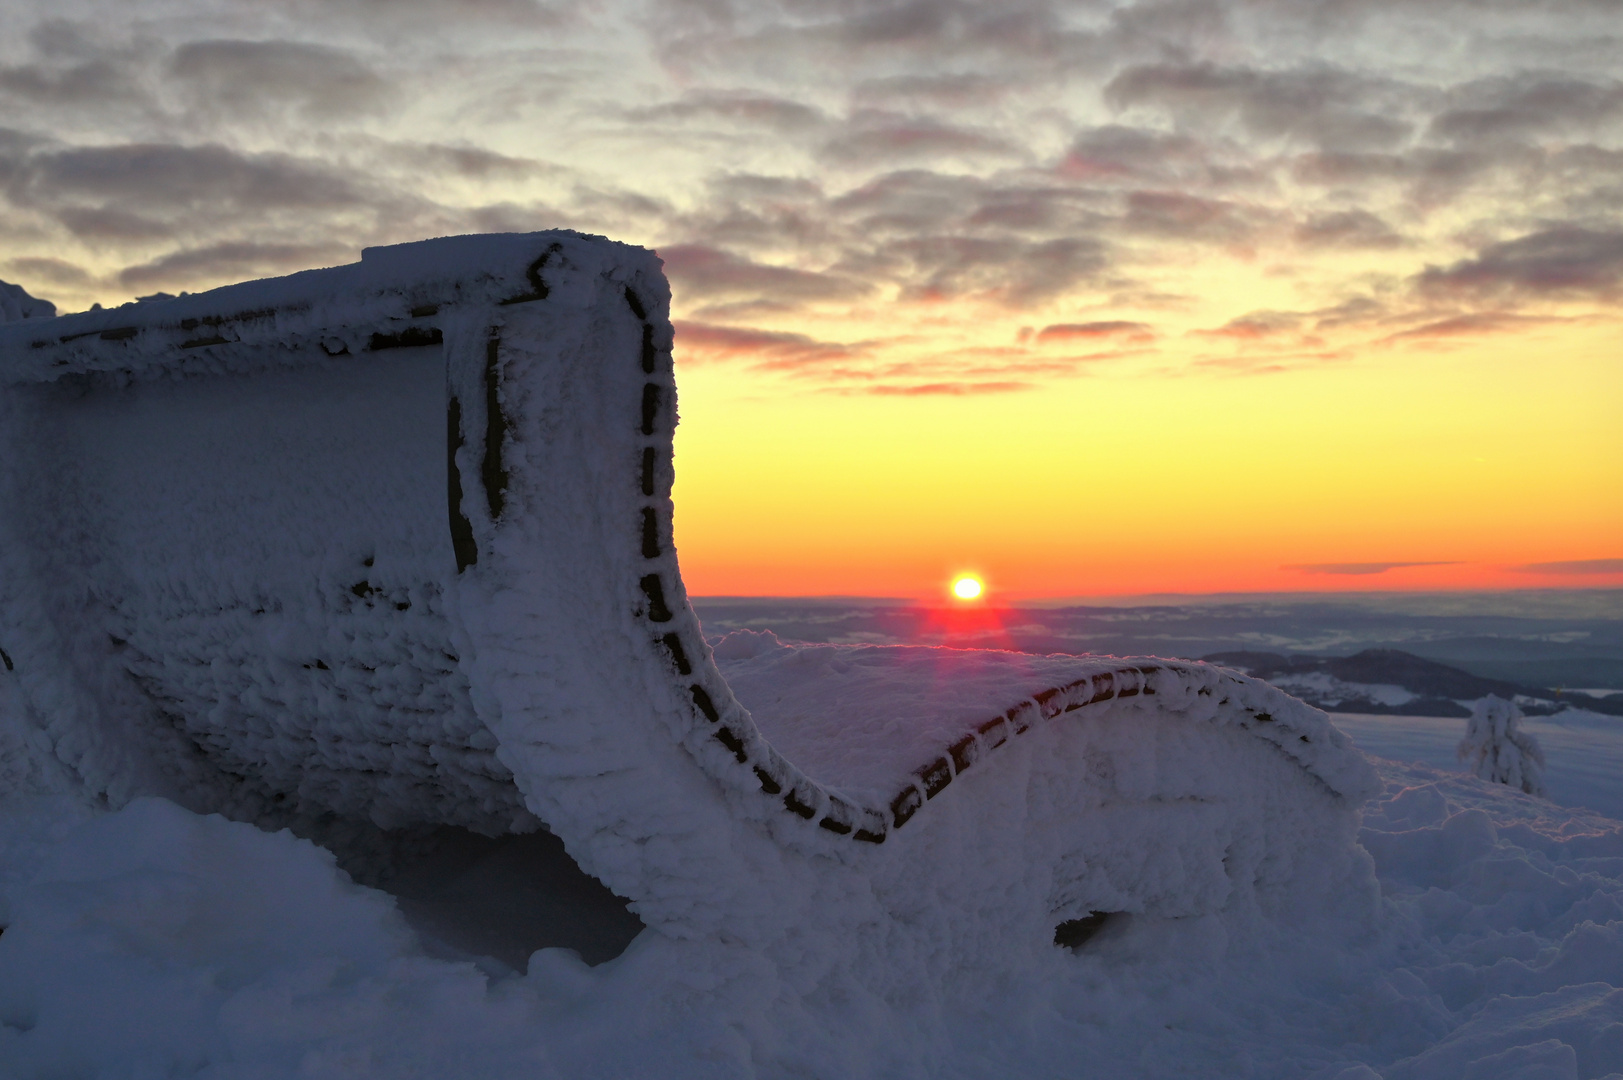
pixel 874 137
pixel 49 269
pixel 736 107
pixel 1346 229
pixel 1256 326
pixel 1576 567
pixel 1109 330
pixel 953 90
pixel 1474 324
pixel 947 389
pixel 1115 154
pixel 1359 569
pixel 1014 272
pixel 700 270
pixel 231 260
pixel 1566 261
pixel 1180 216
pixel 1527 105
pixel 768 348
pixel 1317 105
pixel 316 82
pixel 172 178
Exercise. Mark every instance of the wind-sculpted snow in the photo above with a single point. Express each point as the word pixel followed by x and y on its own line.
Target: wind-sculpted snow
pixel 394 543
pixel 151 941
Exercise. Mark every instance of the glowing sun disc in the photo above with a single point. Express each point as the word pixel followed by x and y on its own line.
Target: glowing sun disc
pixel 966 588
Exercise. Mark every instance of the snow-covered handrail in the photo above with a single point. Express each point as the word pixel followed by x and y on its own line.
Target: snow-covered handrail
pixel 394 540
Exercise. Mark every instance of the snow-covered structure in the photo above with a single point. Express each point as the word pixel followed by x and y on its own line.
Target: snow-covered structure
pixel 1497 749
pixel 393 541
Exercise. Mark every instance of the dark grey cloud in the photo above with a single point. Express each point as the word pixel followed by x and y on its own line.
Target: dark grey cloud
pixel 1178 216
pixel 167 178
pixel 1564 261
pixel 1346 229
pixel 1116 154
pixel 1527 106
pixel 230 261
pixel 67 65
pixel 742 107
pixel 315 82
pixel 50 270
pixel 702 271
pixel 99 82
pixel 1013 271
pixel 1328 107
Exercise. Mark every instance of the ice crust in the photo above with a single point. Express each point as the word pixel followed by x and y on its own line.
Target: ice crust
pixel 393 541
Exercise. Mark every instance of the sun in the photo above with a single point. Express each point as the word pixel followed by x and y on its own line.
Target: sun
pixel 966 587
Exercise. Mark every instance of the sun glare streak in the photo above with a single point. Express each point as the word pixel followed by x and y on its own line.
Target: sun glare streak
pixel 967 588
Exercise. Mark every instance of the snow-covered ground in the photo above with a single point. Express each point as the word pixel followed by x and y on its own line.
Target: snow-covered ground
pixel 152 942
pixel 1584 749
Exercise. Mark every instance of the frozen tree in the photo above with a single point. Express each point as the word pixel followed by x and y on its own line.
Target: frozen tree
pixel 15 303
pixel 1499 750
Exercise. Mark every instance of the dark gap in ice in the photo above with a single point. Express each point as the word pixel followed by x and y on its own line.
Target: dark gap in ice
pixel 491 470
pixel 1075 933
pixel 411 337
pixel 502 897
pixel 462 541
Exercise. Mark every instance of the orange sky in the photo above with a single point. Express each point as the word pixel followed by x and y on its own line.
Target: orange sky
pixel 1133 478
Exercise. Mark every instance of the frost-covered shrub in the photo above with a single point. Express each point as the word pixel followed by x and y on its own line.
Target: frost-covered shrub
pixel 1499 750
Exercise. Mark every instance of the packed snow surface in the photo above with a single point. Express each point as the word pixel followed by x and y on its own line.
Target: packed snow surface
pixel 156 942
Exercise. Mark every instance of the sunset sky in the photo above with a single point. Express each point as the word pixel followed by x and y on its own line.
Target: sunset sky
pixel 1086 298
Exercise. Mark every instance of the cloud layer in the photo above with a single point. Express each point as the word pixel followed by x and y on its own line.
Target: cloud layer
pixel 901 197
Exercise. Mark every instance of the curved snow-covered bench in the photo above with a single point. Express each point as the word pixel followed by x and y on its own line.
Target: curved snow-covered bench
pixel 393 541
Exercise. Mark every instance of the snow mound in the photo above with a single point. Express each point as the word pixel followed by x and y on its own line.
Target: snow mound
pixel 392 543
pixel 154 942
pixel 16 304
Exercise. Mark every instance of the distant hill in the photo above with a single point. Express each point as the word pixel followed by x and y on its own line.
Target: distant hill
pixel 1395 682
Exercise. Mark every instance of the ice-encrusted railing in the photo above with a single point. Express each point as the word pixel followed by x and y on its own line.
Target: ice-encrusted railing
pixel 1300 732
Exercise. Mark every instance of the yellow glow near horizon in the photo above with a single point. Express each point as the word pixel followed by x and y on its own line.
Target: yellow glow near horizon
pixel 1460 467
pixel 966 588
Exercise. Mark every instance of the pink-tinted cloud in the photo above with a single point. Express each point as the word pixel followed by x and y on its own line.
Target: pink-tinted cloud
pixel 1120 330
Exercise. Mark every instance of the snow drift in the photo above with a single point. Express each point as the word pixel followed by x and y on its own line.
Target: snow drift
pixel 392 542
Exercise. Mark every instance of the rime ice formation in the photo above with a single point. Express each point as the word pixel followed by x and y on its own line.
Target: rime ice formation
pixel 1498 750
pixel 15 304
pixel 393 541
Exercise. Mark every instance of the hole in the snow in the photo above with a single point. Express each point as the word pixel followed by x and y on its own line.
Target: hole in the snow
pixel 502 897
pixel 1075 933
